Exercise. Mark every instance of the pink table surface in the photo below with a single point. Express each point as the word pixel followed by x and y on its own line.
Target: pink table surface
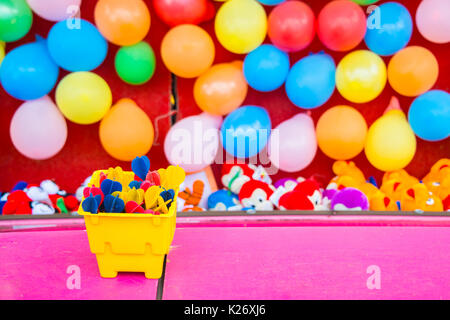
pixel 33 265
pixel 308 263
pixel 271 257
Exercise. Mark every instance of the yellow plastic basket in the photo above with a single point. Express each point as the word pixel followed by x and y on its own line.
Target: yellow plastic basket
pixel 130 242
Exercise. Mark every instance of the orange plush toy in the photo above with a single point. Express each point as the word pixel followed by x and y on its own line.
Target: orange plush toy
pixel 396 182
pixel 438 179
pixel 381 202
pixel 347 174
pixel 419 198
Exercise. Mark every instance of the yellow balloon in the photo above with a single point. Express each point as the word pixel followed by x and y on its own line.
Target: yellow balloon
pixel 83 97
pixel 2 51
pixel 361 76
pixel 391 143
pixel 241 25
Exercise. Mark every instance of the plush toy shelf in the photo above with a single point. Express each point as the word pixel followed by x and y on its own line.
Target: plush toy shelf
pixel 129 242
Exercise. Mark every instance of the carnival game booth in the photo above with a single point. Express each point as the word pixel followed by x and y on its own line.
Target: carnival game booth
pixel 236 150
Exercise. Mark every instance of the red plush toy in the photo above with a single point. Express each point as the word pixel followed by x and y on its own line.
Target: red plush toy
pixel 255 194
pixel 18 203
pixel 446 203
pixel 295 200
pixel 311 189
pixel 234 176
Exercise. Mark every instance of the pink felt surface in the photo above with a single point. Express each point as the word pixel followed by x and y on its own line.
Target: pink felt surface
pixel 247 257
pixel 34 266
pixel 308 263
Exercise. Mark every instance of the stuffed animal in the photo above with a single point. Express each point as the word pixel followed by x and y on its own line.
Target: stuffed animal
pixel 234 176
pixel 192 199
pixel 438 179
pixel 446 203
pixel 17 202
pixel 381 202
pixel 350 199
pixel 311 190
pixel 295 200
pixel 287 183
pixel 223 200
pixel 327 196
pixel 419 198
pixel 256 194
pixel 347 169
pixel 396 182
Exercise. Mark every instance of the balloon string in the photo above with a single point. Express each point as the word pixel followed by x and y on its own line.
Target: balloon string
pixel 169 114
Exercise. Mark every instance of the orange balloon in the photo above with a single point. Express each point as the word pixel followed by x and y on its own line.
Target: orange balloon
pixel 187 50
pixel 413 71
pixel 126 131
pixel 341 132
pixel 221 89
pixel 123 23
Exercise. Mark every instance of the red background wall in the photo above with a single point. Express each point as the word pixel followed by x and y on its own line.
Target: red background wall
pixel 83 152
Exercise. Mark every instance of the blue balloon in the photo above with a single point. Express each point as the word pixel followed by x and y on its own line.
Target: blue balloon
pixel 271 2
pixel 28 72
pixel 77 48
pixel 266 68
pixel 389 29
pixel 311 81
pixel 429 115
pixel 245 131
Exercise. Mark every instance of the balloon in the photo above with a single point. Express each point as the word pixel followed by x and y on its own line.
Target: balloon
pixel 291 26
pixel 38 130
pixel 193 142
pixel 241 25
pixel 390 143
pixel 187 51
pixel 271 2
pixel 135 64
pixel 221 89
pixel 83 97
pixel 266 68
pixel 429 115
pixel 364 2
pixel 413 71
pixel 15 20
pixel 176 12
pixel 311 81
pixel 123 23
pixel 433 20
pixel 393 32
pixel 341 132
pixel 126 131
pixel 77 49
pixel 55 10
pixel 341 25
pixel 361 76
pixel 28 72
pixel 245 131
pixel 2 51
pixel 292 144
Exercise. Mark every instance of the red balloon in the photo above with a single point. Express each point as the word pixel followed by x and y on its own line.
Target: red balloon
pixel 291 26
pixel 176 12
pixel 341 25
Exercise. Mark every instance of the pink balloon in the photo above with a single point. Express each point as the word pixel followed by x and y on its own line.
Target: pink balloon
pixel 55 10
pixel 193 142
pixel 38 129
pixel 293 144
pixel 433 20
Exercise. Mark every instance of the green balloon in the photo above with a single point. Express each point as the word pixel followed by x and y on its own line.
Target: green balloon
pixel 364 2
pixel 135 64
pixel 15 19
